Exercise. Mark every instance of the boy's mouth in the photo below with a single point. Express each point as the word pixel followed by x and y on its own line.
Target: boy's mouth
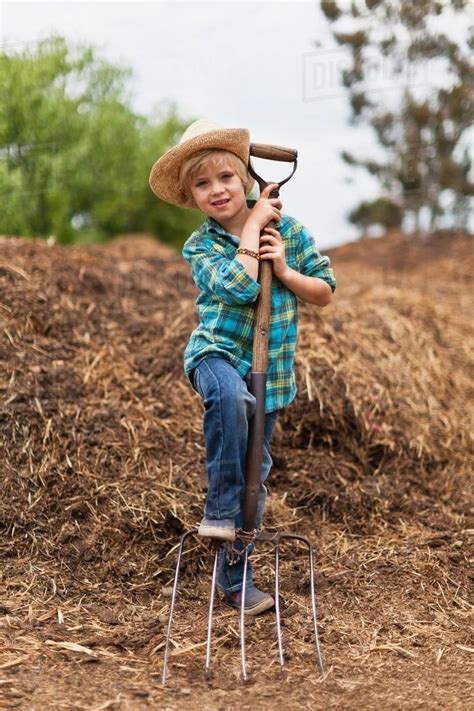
pixel 220 203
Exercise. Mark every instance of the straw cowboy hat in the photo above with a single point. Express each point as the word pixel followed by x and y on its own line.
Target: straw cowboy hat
pixel 200 135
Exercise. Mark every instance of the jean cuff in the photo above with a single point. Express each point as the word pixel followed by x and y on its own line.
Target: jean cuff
pixel 237 587
pixel 220 515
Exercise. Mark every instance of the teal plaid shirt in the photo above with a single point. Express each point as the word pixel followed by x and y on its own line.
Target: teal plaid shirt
pixel 226 304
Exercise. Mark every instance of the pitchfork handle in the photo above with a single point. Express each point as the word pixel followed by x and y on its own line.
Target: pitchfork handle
pixel 262 315
pixel 258 376
pixel 258 379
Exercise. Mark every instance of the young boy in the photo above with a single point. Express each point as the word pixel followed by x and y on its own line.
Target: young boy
pixel 208 170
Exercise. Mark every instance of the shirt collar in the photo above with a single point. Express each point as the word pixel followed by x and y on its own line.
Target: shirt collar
pixel 213 226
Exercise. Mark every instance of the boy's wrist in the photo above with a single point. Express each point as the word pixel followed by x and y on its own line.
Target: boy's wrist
pixel 250 236
pixel 285 275
pixel 252 223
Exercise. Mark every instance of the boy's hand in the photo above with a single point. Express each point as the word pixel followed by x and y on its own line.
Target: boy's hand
pixel 266 209
pixel 271 247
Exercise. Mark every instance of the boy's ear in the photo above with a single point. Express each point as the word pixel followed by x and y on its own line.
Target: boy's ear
pixel 249 190
pixel 188 200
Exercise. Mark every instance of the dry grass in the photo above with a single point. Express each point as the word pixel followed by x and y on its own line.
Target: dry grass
pixel 102 461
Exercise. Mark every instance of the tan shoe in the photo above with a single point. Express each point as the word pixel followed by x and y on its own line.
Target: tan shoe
pixel 219 530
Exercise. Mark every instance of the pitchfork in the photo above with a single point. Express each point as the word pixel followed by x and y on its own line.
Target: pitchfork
pixel 249 534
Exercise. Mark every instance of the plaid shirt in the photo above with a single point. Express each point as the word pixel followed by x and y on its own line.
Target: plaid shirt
pixel 226 304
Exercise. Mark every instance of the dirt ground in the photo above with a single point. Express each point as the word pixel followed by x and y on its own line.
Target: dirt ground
pixel 102 460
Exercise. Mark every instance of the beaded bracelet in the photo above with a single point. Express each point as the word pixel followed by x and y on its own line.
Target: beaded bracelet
pixel 243 250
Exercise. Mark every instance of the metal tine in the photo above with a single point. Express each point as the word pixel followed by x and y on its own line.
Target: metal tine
pixel 277 606
pixel 313 605
pixel 303 539
pixel 172 604
pixel 211 609
pixel 242 617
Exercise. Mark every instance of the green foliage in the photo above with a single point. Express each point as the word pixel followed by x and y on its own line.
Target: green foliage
pixel 425 138
pixel 151 214
pixel 75 158
pixel 382 211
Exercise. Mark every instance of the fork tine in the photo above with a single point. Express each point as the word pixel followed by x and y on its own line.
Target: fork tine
pixel 242 617
pixel 313 605
pixel 303 539
pixel 211 609
pixel 277 606
pixel 172 604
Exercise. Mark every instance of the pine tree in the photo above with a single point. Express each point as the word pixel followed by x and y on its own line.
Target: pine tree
pixel 427 169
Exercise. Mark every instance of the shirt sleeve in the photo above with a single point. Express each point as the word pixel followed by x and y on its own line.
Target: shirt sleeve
pixel 213 272
pixel 311 262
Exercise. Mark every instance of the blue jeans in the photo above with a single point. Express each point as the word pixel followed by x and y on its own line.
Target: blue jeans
pixel 228 408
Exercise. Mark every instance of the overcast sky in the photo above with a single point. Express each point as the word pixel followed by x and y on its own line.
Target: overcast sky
pixel 242 64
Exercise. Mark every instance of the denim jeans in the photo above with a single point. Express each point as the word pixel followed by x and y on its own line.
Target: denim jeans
pixel 228 408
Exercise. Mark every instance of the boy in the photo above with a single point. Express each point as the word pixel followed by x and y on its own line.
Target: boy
pixel 208 170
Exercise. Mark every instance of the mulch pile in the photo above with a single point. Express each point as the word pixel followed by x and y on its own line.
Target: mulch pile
pixel 102 469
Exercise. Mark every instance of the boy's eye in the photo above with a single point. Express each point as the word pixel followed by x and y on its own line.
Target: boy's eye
pixel 228 175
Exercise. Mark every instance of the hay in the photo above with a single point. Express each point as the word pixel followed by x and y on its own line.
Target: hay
pixel 102 462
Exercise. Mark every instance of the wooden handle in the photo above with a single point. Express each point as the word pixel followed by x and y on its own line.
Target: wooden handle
pixel 262 314
pixel 263 150
pixel 258 380
pixel 262 319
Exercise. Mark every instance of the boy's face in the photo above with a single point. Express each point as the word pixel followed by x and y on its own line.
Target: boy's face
pixel 218 191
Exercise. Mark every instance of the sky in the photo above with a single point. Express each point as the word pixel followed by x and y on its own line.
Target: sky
pixel 269 66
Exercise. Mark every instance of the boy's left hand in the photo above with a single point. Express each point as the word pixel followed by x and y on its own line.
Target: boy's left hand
pixel 271 247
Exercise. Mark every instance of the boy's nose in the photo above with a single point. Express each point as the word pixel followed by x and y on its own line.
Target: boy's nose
pixel 217 188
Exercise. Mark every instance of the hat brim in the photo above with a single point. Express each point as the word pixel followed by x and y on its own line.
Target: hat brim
pixel 164 175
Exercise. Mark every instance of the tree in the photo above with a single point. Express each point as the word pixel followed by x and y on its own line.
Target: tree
pixel 382 211
pixel 75 157
pixel 425 135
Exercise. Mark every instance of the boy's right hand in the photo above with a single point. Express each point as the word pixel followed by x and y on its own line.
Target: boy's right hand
pixel 266 208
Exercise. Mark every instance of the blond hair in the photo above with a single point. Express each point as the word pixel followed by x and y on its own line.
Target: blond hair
pixel 191 167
